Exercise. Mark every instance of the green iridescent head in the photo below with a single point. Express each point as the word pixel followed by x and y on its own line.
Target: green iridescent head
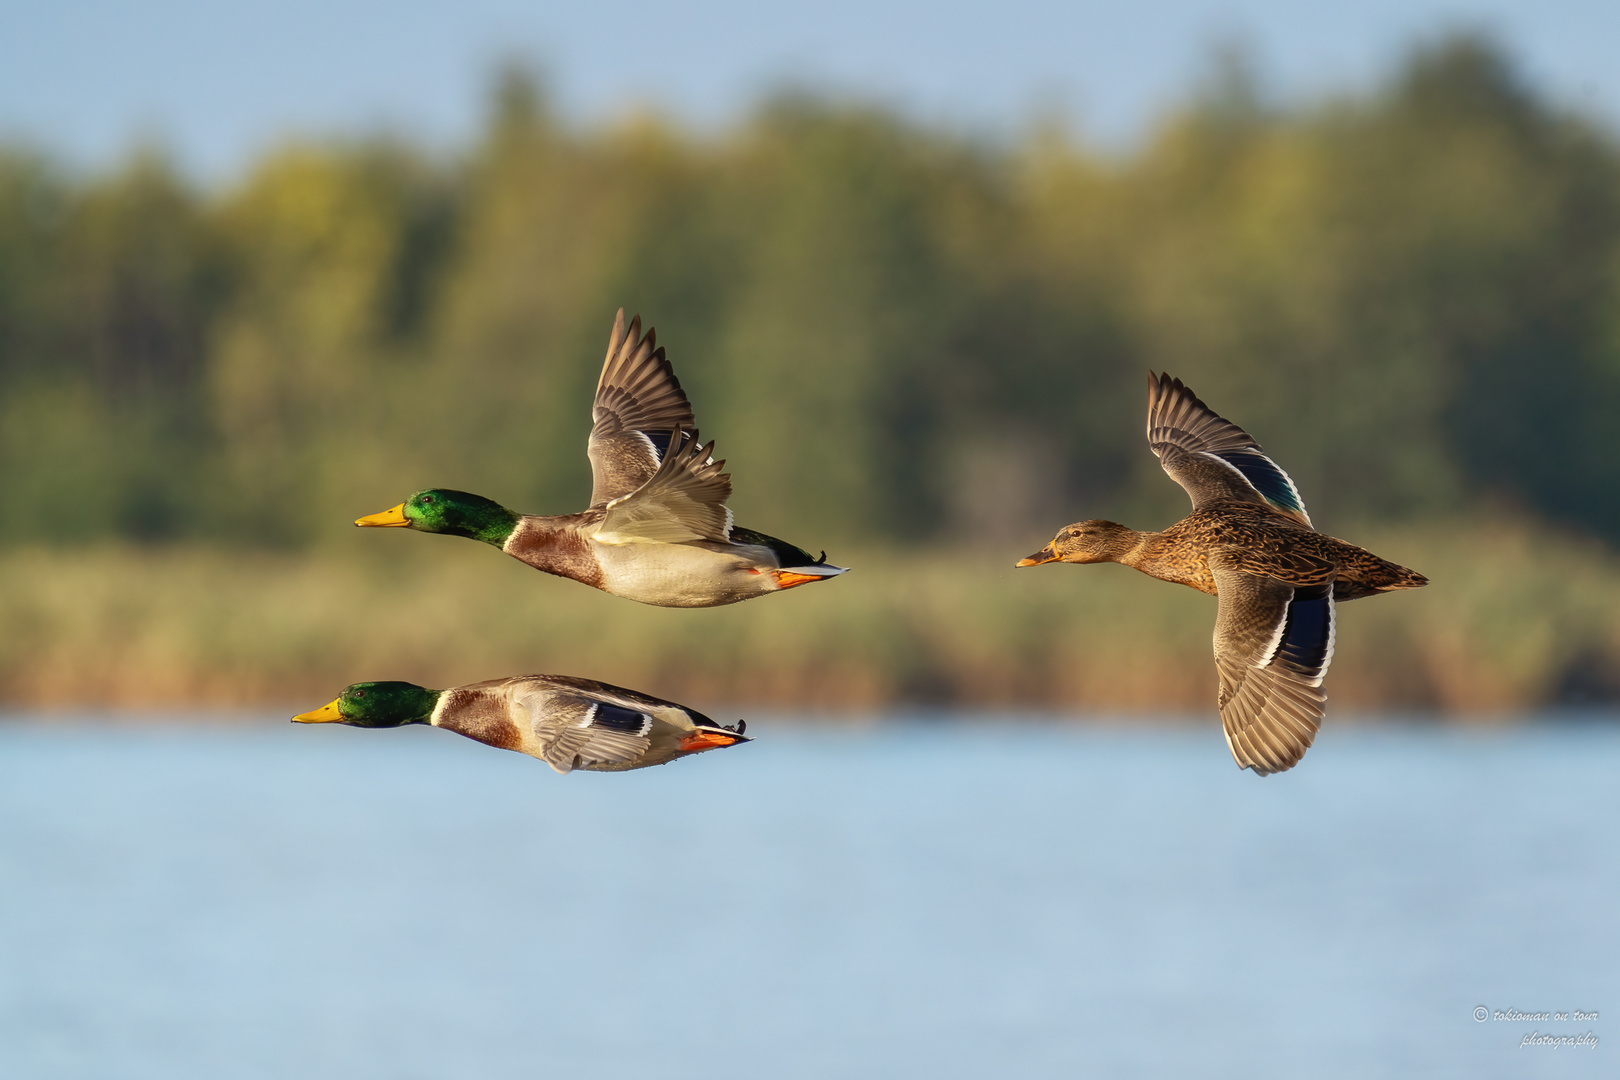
pixel 443 510
pixel 376 705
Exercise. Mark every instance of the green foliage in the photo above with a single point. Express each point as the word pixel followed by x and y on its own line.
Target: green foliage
pixel 898 335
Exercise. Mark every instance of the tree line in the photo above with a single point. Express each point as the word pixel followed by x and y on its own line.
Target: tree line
pixel 899 334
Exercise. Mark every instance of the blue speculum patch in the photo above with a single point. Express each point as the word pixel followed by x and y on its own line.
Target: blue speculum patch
pixel 660 441
pixel 1271 482
pixel 1305 640
pixel 617 718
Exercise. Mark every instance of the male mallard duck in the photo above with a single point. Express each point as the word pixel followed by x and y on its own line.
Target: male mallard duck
pixel 658 530
pixel 1250 543
pixel 566 722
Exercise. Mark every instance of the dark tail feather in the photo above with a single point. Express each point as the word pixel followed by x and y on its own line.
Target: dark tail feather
pixel 787 554
pixel 1384 577
pixel 1407 579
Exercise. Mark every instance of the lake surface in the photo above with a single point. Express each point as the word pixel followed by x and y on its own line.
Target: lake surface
pixel 932 900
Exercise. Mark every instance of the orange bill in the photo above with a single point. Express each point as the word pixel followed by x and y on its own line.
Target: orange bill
pixel 786 579
pixel 1045 555
pixel 707 740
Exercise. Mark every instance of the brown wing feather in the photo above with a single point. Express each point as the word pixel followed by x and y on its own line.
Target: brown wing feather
pixel 607 691
pixel 638 397
pixel 570 739
pixel 684 500
pixel 1289 565
pixel 1211 457
pixel 1271 697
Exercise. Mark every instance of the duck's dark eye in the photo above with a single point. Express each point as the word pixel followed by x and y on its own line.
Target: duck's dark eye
pixel 427 499
pixel 359 693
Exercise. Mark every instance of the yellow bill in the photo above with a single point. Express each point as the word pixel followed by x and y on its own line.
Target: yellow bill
pixel 394 517
pixel 326 714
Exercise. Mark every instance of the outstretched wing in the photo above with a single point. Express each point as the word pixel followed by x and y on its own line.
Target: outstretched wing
pixel 1273 644
pixel 639 405
pixel 684 500
pixel 1211 457
pixel 577 731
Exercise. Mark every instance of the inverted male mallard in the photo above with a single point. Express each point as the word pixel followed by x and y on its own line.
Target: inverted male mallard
pixel 658 530
pixel 1250 543
pixel 566 722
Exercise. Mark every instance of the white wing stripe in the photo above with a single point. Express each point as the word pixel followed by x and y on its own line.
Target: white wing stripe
pixel 1333 637
pixel 1269 653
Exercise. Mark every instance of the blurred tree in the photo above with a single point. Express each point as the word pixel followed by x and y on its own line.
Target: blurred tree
pixel 1410 296
pixel 35 200
pixel 107 297
pixel 334 258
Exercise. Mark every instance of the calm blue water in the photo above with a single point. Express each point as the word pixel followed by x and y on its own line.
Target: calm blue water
pixel 936 901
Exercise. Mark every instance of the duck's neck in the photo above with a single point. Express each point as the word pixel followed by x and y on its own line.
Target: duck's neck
pixel 498 530
pixel 1164 556
pixel 1133 548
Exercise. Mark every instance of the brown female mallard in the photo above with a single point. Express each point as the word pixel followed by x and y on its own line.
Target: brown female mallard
pixel 1249 543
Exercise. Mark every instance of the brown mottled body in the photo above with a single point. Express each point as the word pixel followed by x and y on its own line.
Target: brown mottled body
pixel 1248 542
pixel 1266 543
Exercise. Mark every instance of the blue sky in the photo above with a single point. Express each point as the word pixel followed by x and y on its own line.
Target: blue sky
pixel 217 82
